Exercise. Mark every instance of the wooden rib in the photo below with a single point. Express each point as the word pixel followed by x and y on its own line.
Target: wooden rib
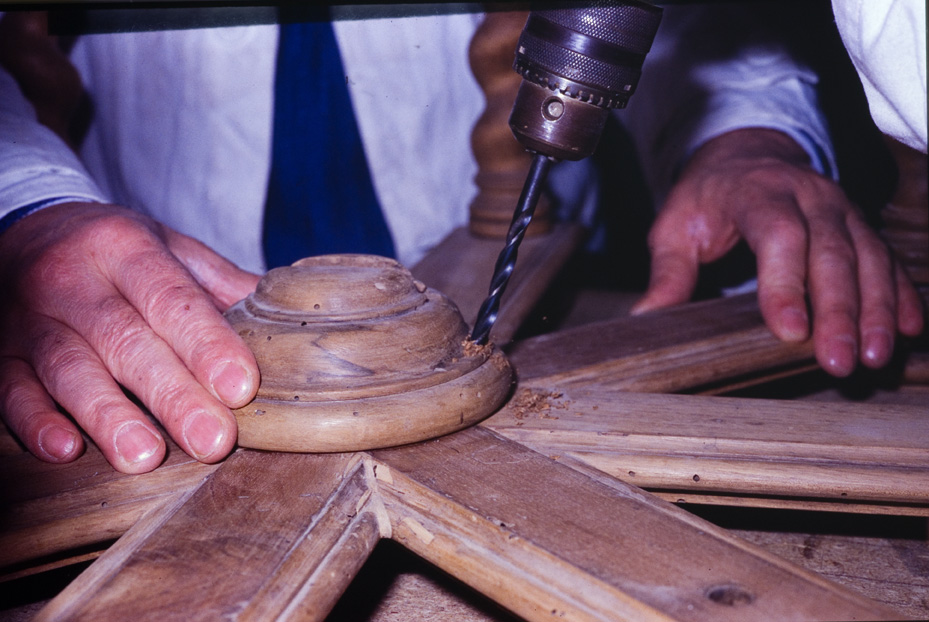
pixel 855 452
pixel 670 350
pixel 461 267
pixel 248 543
pixel 696 497
pixel 547 541
pixel 51 508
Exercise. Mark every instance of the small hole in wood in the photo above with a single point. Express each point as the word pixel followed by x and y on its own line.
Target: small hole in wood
pixel 730 595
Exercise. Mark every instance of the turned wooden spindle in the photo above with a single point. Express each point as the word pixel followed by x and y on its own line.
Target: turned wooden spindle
pixel 355 354
pixel 906 217
pixel 502 161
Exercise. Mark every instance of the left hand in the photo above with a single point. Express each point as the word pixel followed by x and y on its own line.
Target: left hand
pixel 757 184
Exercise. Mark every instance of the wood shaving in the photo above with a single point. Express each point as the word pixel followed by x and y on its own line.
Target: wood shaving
pixel 472 348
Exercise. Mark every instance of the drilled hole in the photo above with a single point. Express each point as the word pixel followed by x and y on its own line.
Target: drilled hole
pixel 730 595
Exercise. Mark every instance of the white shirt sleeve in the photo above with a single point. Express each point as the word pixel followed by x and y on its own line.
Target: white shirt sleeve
pixel 35 165
pixel 714 69
pixel 886 40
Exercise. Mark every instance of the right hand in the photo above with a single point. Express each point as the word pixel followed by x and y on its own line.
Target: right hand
pixel 101 298
pixel 810 241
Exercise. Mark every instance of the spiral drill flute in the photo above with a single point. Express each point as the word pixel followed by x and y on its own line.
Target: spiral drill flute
pixel 577 64
pixel 506 261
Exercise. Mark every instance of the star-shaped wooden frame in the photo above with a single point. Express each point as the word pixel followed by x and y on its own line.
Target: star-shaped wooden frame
pixel 514 507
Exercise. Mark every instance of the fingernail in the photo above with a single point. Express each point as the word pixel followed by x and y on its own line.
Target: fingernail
pixel 232 384
pixel 841 355
pixel 58 442
pixel 136 443
pixel 795 324
pixel 878 346
pixel 204 433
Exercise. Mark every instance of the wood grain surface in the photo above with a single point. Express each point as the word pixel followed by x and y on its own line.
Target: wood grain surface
pixel 704 343
pixel 872 455
pixel 248 544
pixel 547 541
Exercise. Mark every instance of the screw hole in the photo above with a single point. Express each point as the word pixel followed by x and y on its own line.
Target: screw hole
pixel 730 595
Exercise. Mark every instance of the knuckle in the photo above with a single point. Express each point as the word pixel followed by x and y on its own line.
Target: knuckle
pixel 176 301
pixel 174 399
pixel 121 334
pixel 16 384
pixel 54 353
pixel 786 228
pixel 102 413
pixel 120 227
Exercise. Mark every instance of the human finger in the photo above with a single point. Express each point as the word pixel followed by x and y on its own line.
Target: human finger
pixel 131 351
pixel 674 243
pixel 672 280
pixel 77 379
pixel 834 292
pixel 877 290
pixel 777 234
pixel 174 305
pixel 32 415
pixel 910 311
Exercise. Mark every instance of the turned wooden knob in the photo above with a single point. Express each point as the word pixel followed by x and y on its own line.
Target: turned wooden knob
pixel 355 354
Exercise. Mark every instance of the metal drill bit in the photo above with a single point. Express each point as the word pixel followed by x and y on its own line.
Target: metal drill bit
pixel 506 261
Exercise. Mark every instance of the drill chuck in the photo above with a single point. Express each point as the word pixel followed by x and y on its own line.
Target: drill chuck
pixel 577 63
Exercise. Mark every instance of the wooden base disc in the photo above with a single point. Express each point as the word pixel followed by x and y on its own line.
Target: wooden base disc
pixel 375 422
pixel 355 354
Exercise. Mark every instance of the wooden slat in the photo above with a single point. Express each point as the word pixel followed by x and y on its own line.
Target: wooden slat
pixel 670 350
pixel 887 567
pixel 51 508
pixel 461 266
pixel 547 541
pixel 695 444
pixel 248 543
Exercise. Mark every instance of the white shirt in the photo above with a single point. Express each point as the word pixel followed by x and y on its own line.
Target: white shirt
pixel 886 40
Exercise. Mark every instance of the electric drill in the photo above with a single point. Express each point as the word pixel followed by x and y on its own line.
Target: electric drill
pixel 577 63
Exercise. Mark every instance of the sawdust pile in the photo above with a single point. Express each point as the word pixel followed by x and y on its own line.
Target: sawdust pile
pixel 472 348
pixel 528 402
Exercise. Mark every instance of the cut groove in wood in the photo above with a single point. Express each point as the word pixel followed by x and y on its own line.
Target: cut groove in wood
pixel 813 450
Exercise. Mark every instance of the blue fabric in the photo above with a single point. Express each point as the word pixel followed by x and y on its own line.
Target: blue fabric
pixel 320 196
pixel 11 218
